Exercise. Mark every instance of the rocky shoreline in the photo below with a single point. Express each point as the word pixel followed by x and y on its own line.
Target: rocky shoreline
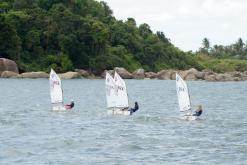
pixel 9 69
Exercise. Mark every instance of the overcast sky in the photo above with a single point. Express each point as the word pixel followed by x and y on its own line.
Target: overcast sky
pixel 187 22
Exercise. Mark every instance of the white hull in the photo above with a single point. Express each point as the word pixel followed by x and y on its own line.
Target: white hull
pixel 58 108
pixel 118 112
pixel 189 117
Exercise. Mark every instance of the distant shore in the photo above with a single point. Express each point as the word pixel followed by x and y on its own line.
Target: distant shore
pixel 191 75
pixel 9 69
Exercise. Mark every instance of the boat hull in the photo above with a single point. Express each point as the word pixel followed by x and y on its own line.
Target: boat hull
pixel 118 112
pixel 189 117
pixel 58 108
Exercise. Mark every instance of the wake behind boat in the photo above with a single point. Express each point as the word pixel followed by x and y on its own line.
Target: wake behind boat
pixel 117 96
pixel 56 93
pixel 184 99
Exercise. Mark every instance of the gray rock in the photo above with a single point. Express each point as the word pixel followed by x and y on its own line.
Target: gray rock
pixel 8 65
pixel 236 79
pixel 34 75
pixel 165 74
pixel 237 74
pixel 83 73
pixel 69 75
pixel 190 76
pixel 245 72
pixel 192 70
pixel 210 77
pixel 123 73
pixel 200 75
pixel 151 75
pixel 10 74
pixel 220 77
pixel 244 78
pixel 139 74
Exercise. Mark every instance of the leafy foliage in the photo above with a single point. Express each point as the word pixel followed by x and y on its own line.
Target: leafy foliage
pixel 221 58
pixel 66 34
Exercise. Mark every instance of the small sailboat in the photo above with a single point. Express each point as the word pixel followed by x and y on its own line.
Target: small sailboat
pixel 56 92
pixel 183 99
pixel 116 95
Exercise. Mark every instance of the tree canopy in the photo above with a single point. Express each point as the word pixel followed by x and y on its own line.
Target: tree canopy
pixel 69 34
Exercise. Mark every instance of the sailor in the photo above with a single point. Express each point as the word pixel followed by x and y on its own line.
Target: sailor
pixel 132 110
pixel 71 105
pixel 198 111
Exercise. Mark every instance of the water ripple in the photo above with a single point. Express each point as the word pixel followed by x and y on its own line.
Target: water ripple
pixel 30 133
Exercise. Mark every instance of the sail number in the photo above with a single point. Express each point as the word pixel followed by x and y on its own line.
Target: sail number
pixel 180 89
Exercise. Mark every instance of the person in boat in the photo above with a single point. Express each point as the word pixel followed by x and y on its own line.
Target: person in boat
pixel 71 105
pixel 198 111
pixel 136 107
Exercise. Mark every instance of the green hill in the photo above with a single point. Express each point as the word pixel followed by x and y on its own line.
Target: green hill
pixel 68 34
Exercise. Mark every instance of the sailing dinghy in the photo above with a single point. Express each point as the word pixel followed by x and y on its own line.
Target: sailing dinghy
pixel 56 92
pixel 183 99
pixel 116 95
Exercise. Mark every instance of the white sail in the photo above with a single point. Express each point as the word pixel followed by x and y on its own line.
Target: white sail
pixel 122 100
pixel 55 88
pixel 110 93
pixel 183 94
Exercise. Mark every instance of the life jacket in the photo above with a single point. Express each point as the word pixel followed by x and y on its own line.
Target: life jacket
pixel 198 113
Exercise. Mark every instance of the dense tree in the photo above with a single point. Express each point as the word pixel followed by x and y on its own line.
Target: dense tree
pixel 235 50
pixel 205 46
pixel 67 34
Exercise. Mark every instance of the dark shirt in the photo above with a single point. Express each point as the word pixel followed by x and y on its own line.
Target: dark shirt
pixel 136 107
pixel 132 110
pixel 198 113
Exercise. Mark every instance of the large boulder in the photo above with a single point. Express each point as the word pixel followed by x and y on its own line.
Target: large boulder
pixel 200 75
pixel 165 74
pixel 69 75
pixel 139 74
pixel 8 65
pixel 190 74
pixel 83 73
pixel 220 77
pixel 151 75
pixel 10 74
pixel 244 77
pixel 191 77
pixel 238 76
pixel 123 73
pixel 34 75
pixel 245 72
pixel 210 77
pixel 192 70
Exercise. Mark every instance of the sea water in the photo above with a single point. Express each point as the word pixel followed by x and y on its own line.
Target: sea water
pixel 31 133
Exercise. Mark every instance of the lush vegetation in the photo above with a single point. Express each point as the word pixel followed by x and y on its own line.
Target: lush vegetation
pixel 222 65
pixel 221 58
pixel 69 34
